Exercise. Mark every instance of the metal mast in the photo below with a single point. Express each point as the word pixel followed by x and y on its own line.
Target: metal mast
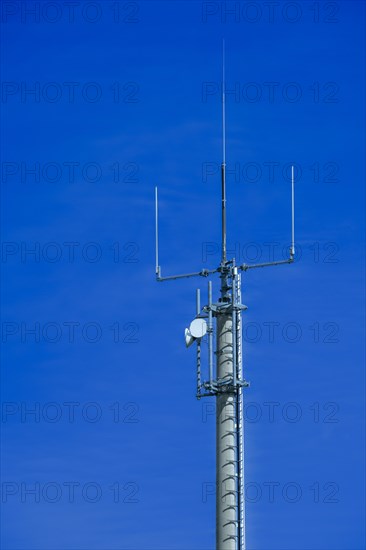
pixel 228 427
pixel 226 382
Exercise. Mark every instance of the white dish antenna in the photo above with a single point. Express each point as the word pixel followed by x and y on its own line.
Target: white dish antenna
pixel 197 330
pixel 188 338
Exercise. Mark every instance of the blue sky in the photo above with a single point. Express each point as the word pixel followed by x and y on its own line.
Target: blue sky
pixel 123 101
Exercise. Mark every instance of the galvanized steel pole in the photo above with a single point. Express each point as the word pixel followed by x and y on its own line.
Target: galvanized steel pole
pixel 226 443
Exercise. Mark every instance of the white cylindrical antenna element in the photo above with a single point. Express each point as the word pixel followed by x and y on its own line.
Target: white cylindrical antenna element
pixel 210 334
pixel 292 252
pixel 156 233
pixel 198 301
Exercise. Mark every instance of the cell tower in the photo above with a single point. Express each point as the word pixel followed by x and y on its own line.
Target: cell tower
pixel 225 380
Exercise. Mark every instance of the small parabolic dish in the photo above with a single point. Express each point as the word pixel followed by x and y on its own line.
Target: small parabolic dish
pixel 198 328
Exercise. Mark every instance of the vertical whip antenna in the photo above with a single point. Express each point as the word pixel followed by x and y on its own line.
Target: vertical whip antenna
pixel 223 105
pixel 292 251
pixel 223 165
pixel 157 268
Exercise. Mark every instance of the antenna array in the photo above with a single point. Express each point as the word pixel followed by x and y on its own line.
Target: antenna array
pixel 225 380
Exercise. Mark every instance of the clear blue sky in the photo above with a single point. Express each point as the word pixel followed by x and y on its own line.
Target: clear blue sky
pixel 123 101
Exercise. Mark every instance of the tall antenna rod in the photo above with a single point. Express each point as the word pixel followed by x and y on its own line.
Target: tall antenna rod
pixel 292 251
pixel 157 269
pixel 223 165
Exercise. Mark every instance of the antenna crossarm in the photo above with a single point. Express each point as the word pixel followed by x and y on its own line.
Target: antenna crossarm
pixel 245 267
pixel 202 273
